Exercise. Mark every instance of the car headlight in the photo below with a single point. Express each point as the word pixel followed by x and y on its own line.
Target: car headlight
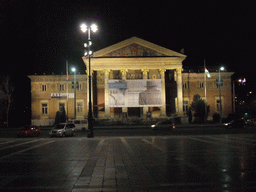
pixel 153 126
pixel 226 124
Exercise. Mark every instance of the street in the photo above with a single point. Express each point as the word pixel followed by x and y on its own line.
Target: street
pixel 130 160
pixel 142 131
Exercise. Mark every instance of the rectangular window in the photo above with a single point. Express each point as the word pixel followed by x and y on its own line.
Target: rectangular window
pixel 62 87
pixel 201 85
pixel 218 105
pixel 184 85
pixel 79 107
pixel 185 106
pixel 43 87
pixel 44 108
pixel 79 87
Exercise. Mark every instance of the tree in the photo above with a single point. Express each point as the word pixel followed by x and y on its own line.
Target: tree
pixel 63 114
pixel 198 107
pixel 60 116
pixel 7 89
pixel 189 115
pixel 3 106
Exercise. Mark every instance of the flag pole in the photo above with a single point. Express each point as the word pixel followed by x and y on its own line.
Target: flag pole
pixel 205 93
pixel 67 86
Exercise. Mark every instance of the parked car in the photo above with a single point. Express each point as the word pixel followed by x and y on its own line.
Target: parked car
pixel 63 130
pixel 237 123
pixel 80 124
pixel 249 122
pixel 165 124
pixel 28 130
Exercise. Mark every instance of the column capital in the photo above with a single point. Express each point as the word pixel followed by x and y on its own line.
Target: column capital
pixel 106 72
pixel 162 71
pixel 87 72
pixel 179 70
pixel 124 71
pixel 145 71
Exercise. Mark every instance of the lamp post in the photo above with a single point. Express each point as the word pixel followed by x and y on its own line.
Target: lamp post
pixel 74 70
pixel 220 84
pixel 94 28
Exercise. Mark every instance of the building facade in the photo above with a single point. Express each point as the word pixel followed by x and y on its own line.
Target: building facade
pixel 196 82
pixel 133 78
pixel 49 95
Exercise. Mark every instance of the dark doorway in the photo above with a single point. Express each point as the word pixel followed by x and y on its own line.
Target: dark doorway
pixel 134 111
pixel 118 111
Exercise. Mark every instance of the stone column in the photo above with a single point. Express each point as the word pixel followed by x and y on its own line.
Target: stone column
pixel 124 72
pixel 163 108
pixel 107 109
pixel 179 92
pixel 145 76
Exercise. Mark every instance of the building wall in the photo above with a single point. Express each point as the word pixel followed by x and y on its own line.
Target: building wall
pixel 191 87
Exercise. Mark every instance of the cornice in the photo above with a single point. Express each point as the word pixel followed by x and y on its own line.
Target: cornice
pixel 45 78
pixel 214 75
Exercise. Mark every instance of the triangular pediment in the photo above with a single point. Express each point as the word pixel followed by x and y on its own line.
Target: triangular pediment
pixel 136 47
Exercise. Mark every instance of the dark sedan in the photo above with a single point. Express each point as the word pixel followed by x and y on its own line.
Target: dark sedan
pixel 238 123
pixel 165 124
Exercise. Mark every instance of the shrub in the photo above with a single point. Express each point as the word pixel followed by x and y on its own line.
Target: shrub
pixel 216 117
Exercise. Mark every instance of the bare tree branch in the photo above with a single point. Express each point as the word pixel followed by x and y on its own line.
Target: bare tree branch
pixel 6 90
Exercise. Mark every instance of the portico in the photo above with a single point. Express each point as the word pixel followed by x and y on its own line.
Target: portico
pixel 134 61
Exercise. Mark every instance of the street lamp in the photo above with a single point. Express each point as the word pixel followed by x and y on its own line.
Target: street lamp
pixel 74 70
pixel 85 28
pixel 220 84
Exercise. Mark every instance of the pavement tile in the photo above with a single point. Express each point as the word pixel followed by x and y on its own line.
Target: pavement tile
pixel 81 186
pixel 120 189
pixel 94 190
pixel 123 182
pixel 84 179
pixel 79 190
pixel 97 182
pixel 109 173
pixel 82 183
pixel 71 179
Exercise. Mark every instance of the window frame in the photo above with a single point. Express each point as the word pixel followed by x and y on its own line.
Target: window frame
pixel 185 106
pixel 44 109
pixel 201 85
pixel 184 85
pixel 61 87
pixel 44 88
pixel 79 108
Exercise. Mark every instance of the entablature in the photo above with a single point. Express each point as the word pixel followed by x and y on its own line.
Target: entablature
pixel 134 63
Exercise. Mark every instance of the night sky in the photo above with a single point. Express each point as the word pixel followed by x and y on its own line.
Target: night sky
pixel 39 36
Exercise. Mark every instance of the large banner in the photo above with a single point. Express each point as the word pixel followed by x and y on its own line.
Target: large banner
pixel 135 93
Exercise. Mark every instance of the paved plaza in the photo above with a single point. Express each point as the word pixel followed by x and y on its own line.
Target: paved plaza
pixel 129 164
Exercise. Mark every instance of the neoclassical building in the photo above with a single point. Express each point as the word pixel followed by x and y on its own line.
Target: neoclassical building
pixel 133 78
